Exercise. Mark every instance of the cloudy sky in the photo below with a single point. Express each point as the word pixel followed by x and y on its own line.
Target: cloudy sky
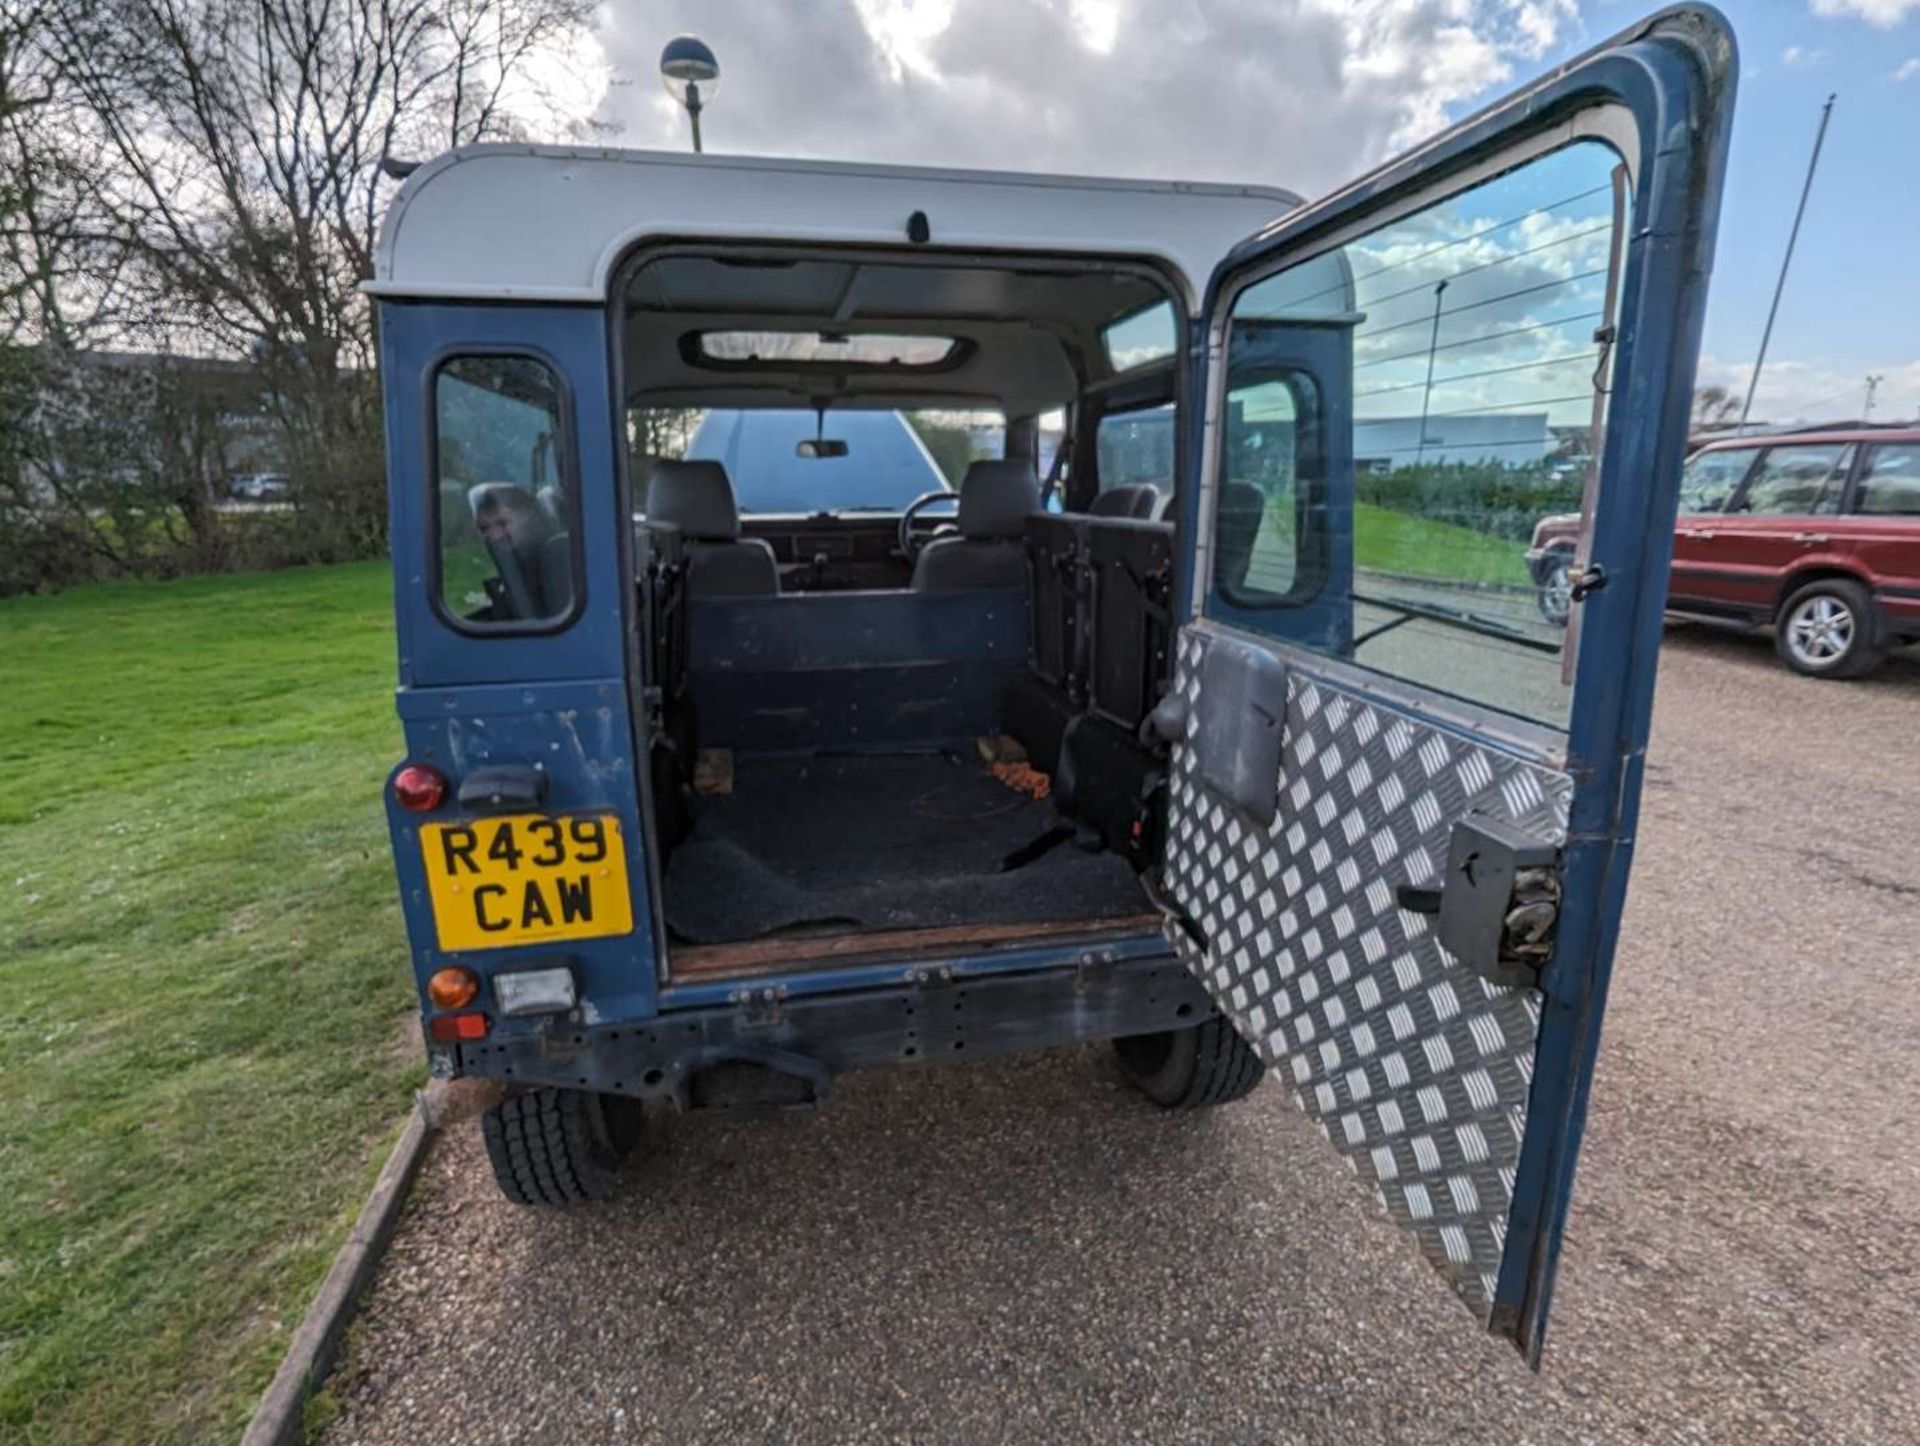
pixel 1306 93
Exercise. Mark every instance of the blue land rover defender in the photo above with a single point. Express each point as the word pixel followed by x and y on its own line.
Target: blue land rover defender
pixel 1195 700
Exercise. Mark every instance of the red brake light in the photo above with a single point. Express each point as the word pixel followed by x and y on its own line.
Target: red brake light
pixel 449 1028
pixel 418 788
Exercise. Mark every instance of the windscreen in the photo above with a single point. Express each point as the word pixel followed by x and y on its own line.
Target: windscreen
pixel 883 460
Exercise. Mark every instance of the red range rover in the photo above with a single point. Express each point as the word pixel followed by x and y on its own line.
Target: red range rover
pixel 1817 533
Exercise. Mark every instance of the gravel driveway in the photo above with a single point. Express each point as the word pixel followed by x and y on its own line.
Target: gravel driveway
pixel 1023 1250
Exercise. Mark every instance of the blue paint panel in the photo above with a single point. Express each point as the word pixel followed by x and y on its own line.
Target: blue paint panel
pixel 414 338
pixel 556 699
pixel 1675 75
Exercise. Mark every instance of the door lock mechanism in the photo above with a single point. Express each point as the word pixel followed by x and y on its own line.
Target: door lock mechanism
pixel 1498 905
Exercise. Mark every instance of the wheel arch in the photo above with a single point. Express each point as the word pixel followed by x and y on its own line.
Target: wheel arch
pixel 1812 572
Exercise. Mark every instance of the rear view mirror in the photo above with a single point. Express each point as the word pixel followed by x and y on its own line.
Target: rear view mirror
pixel 818 447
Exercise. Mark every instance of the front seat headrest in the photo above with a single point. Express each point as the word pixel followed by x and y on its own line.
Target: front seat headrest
pixel 996 498
pixel 1138 499
pixel 694 496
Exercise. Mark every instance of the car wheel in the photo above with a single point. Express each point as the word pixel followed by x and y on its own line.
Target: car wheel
pixel 1191 1069
pixel 1827 630
pixel 559 1147
pixel 1555 594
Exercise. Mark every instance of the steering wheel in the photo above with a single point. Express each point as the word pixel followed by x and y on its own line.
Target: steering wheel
pixel 911 539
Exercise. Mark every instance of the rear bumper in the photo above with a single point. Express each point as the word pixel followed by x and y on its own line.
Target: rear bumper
pixel 815 1038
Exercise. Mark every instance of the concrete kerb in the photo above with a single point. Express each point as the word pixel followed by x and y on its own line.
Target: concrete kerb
pixel 279 1419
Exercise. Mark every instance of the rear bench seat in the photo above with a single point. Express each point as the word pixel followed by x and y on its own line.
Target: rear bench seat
pixel 1101 630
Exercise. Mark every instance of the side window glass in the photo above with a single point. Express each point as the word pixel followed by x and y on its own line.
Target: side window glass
pixel 1451 396
pixel 1135 448
pixel 1891 487
pixel 1147 335
pixel 1712 478
pixel 1798 481
pixel 1270 454
pixel 504 495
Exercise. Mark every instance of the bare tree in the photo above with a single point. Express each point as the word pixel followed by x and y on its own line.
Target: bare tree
pixel 242 186
pixel 1714 406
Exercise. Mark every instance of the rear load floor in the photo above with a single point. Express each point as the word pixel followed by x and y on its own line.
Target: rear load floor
pixel 901 841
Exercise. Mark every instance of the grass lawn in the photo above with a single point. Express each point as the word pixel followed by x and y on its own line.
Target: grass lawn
pixel 202 986
pixel 1400 542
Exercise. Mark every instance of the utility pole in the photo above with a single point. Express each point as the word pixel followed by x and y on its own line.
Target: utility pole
pixel 1426 394
pixel 1873 385
pixel 1766 335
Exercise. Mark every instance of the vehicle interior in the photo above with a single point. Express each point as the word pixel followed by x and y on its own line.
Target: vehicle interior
pixel 888 713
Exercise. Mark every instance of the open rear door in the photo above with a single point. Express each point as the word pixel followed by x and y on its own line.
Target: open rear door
pixel 1402 798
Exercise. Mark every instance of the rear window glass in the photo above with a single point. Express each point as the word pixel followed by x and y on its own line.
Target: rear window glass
pixel 1145 336
pixel 1798 481
pixel 1446 371
pixel 504 497
pixel 1891 486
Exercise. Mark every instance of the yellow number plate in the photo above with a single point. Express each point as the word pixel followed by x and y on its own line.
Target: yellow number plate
pixel 526 878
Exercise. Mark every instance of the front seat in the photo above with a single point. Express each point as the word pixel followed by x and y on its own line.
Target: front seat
pixel 1138 500
pixel 697 498
pixel 996 498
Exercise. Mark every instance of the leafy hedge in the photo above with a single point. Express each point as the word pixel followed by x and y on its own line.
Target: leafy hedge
pixel 1487 497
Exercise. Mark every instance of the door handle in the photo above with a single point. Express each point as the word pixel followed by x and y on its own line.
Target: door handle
pixel 504 788
pixel 1813 537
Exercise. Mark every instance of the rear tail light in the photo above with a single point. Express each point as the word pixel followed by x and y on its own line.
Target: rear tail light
pixel 453 1028
pixel 418 788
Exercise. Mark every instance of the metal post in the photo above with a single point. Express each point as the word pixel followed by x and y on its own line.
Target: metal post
pixel 1806 188
pixel 1873 385
pixel 693 112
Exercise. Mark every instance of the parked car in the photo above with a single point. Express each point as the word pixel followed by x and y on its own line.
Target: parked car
pixel 1816 533
pixel 259 486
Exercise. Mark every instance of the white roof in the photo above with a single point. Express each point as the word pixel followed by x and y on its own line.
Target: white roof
pixel 552 222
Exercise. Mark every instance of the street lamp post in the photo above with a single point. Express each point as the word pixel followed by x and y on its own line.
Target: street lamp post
pixel 691 74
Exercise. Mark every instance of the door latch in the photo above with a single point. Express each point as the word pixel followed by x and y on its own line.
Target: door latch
pixel 1584 583
pixel 1499 903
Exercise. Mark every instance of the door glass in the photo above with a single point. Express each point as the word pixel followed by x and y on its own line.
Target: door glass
pixel 1136 447
pixel 1798 481
pixel 1146 336
pixel 1891 487
pixel 1270 442
pixel 1468 347
pixel 504 496
pixel 1712 478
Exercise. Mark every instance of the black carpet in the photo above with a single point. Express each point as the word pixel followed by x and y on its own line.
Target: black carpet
pixel 877 842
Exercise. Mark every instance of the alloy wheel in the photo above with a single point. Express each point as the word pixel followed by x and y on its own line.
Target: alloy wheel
pixel 1821 630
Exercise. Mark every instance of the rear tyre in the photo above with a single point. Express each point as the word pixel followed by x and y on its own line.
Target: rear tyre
pixel 559 1147
pixel 1191 1069
pixel 1827 629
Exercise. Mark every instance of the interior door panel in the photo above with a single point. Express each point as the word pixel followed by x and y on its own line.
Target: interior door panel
pixel 1413 1068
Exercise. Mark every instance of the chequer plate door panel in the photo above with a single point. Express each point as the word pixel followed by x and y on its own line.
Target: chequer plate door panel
pixel 1416 1069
